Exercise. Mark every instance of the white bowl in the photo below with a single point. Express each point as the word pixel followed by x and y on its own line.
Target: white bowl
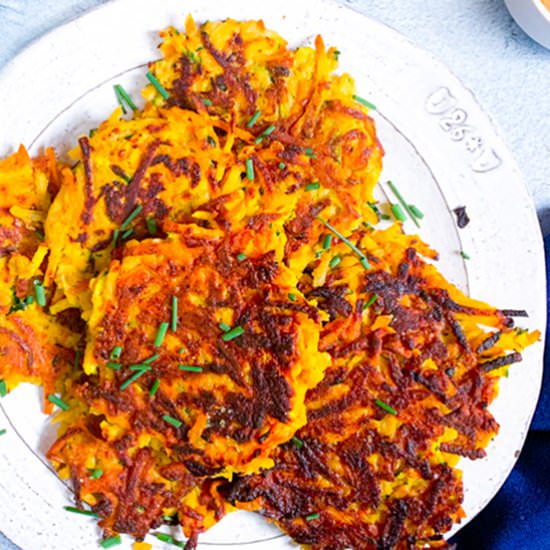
pixel 533 16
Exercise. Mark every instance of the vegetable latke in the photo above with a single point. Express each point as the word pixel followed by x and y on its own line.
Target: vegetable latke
pixel 208 298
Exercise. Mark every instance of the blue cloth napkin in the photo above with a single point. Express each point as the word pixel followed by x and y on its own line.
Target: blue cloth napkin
pixel 518 518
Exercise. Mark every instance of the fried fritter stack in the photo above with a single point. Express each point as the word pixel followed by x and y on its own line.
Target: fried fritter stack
pixel 222 322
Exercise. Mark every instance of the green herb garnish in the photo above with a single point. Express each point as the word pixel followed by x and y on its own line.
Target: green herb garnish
pixel 207 102
pixel 158 86
pixel 249 169
pixel 151 226
pixel 139 374
pixel 3 431
pixel 403 203
pixel 3 388
pixel 335 261
pixel 292 296
pixel 174 319
pixel 123 97
pixel 371 301
pixel 116 352
pixel 58 401
pixel 190 368
pixel 363 259
pixel 298 442
pixel 312 516
pixel 254 119
pixel 113 365
pixel 313 186
pixel 241 257
pixel 131 217
pixel 81 512
pixel 225 327
pixel 154 388
pixel 110 542
pixel 151 359
pixel 96 473
pixel 270 129
pixel 172 421
pixel 282 165
pixel 233 333
pixel 364 102
pixel 168 539
pixel 398 213
pixel 385 407
pixel 464 255
pixel 327 242
pixel 416 212
pixel 161 333
pixel 40 293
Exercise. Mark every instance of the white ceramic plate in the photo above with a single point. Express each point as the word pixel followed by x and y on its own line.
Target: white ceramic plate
pixel 441 149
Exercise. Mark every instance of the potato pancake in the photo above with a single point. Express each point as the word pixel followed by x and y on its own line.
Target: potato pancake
pixel 414 366
pixel 35 345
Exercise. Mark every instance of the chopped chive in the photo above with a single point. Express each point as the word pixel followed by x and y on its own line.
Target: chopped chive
pixel 110 542
pixel 403 202
pixel 123 97
pixel 416 212
pixel 133 378
pixel 385 407
pixel 81 512
pixel 282 165
pixel 398 213
pixel 96 473
pixel 39 293
pixel 172 421
pixel 364 102
pixel 161 333
pixel 3 388
pixel 254 119
pixel 3 431
pixel 241 257
pixel 313 186
pixel 113 365
pixel 225 327
pixel 174 319
pixel 292 296
pixel 154 387
pixel 116 233
pixel 385 217
pixel 312 516
pixel 371 301
pixel 309 152
pixel 364 260
pixel 159 87
pixel 328 241
pixel 181 351
pixel 270 129
pixel 116 352
pixel 298 442
pixel 29 300
pixel 168 539
pixel 464 255
pixel 190 368
pixel 131 217
pixel 141 367
pixel 249 169
pixel 207 102
pixel 127 233
pixel 335 261
pixel 151 225
pixel 151 359
pixel 374 207
pixel 233 333
pixel 58 401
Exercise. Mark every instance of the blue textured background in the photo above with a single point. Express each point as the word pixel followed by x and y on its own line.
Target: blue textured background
pixel 510 75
